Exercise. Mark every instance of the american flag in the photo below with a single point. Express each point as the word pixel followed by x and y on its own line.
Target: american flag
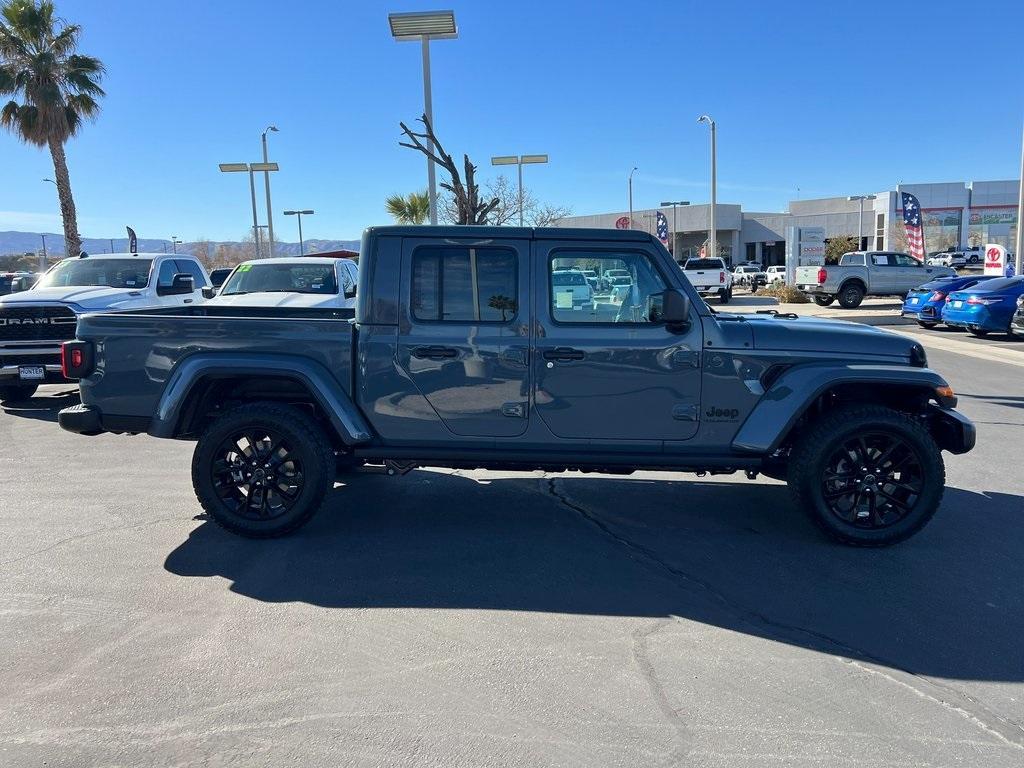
pixel 662 228
pixel 912 223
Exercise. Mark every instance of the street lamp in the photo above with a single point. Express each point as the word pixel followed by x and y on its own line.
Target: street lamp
pixel 174 242
pixel 425 26
pixel 674 203
pixel 519 160
pixel 250 168
pixel 42 263
pixel 300 214
pixel 712 233
pixel 266 184
pixel 860 216
pixel 630 226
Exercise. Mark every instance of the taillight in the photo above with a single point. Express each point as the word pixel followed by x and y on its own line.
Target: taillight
pixel 822 276
pixel 75 359
pixel 979 300
pixel 937 296
pixel 721 277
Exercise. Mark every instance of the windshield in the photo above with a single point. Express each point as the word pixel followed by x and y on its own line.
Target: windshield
pixel 281 278
pixel 113 273
pixel 1000 283
pixel 703 264
pixel 568 278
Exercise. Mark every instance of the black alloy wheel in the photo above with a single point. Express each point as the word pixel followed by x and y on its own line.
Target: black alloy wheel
pixel 257 474
pixel 867 475
pixel 872 480
pixel 263 469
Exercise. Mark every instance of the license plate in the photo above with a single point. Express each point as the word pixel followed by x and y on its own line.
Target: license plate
pixel 914 300
pixel 957 304
pixel 31 372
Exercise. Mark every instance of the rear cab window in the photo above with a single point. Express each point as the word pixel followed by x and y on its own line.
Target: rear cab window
pixel 464 285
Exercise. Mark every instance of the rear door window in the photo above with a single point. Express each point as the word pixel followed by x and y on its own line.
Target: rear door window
pixel 464 285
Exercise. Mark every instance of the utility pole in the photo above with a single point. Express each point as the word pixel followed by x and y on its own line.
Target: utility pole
pixel 712 232
pixel 1019 245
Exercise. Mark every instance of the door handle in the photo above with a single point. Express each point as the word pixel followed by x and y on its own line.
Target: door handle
pixel 434 353
pixel 563 353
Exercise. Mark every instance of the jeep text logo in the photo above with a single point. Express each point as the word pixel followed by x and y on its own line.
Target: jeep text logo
pixel 721 414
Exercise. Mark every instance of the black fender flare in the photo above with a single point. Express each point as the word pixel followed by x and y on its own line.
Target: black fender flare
pixel 789 397
pixel 332 398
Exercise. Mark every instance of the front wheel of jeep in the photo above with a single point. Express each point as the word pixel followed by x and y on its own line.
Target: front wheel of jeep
pixel 867 475
pixel 263 469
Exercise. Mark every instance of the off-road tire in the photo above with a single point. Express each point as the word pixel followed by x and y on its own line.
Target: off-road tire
pixel 724 295
pixel 304 437
pixel 824 301
pixel 12 393
pixel 850 296
pixel 928 326
pixel 815 446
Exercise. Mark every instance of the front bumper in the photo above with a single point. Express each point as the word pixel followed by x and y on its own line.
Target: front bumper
pixel 953 431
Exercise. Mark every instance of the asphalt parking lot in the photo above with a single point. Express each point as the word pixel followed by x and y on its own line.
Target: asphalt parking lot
pixel 473 618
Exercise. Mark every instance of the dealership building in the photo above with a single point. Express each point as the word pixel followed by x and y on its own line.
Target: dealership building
pixel 956 214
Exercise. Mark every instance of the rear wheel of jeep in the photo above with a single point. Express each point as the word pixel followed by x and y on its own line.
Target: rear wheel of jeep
pixel 867 475
pixel 263 469
pixel 850 296
pixel 824 301
pixel 14 392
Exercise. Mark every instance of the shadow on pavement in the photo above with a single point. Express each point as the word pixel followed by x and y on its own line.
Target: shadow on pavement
pixel 948 603
pixel 42 406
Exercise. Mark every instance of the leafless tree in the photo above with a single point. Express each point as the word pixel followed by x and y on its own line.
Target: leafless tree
pixel 506 212
pixel 465 194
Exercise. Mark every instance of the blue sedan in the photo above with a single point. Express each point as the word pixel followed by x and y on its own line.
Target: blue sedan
pixel 925 302
pixel 985 308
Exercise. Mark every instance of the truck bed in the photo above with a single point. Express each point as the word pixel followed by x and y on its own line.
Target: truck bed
pixel 142 348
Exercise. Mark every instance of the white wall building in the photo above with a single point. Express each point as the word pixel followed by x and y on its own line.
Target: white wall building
pixel 956 214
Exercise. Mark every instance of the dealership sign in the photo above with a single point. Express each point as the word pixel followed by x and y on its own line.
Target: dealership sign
pixel 995 259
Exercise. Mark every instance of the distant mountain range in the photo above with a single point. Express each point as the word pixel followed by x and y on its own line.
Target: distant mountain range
pixel 32 242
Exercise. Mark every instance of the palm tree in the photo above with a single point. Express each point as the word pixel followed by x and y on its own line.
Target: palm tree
pixel 412 209
pixel 54 88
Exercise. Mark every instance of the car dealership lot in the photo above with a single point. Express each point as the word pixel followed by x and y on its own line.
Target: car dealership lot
pixel 474 618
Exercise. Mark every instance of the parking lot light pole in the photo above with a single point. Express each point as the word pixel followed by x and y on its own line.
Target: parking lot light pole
pixel 251 168
pixel 1019 244
pixel 425 26
pixel 174 242
pixel 266 185
pixel 630 225
pixel 860 215
pixel 300 214
pixel 712 234
pixel 674 203
pixel 519 160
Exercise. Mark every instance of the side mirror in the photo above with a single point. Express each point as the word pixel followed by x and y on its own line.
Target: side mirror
pixel 181 284
pixel 671 307
pixel 209 293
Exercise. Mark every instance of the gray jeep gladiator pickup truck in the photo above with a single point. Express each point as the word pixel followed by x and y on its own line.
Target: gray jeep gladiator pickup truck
pixel 465 353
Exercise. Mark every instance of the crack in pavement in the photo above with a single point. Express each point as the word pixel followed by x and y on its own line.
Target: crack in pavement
pixel 953 699
pixel 85 535
pixel 641 654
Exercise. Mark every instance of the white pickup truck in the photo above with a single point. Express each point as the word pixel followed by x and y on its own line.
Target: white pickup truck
pixel 303 281
pixel 34 323
pixel 710 277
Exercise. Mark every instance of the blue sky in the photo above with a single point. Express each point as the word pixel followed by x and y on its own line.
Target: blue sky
pixel 833 98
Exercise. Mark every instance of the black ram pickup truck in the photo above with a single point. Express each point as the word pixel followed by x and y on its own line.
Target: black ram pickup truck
pixel 465 352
